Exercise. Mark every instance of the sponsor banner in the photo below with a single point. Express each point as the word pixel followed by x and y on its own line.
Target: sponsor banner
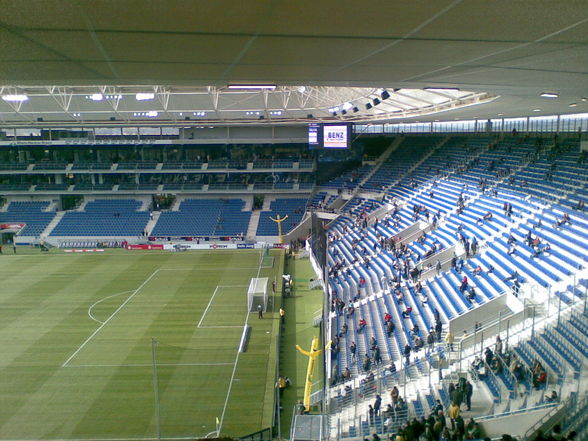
pixel 280 245
pixel 79 250
pixel 12 226
pixel 245 246
pixel 177 246
pixel 215 246
pixel 335 136
pixel 145 246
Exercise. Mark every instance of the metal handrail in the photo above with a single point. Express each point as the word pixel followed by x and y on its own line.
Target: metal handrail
pixel 515 412
pixel 557 406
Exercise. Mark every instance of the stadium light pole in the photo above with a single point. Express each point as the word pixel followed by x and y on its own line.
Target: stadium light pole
pixel 156 388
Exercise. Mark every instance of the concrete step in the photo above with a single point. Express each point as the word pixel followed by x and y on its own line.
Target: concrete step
pixel 253 223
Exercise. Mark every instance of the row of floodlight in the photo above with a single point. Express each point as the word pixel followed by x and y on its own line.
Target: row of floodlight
pixel 93 97
pixel 347 106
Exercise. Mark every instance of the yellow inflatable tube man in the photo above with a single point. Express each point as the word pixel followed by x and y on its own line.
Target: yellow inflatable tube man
pixel 312 356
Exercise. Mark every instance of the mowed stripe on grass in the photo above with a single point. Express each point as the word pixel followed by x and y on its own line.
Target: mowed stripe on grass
pixel 45 322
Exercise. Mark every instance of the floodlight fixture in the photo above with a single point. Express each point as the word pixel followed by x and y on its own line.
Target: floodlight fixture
pixel 252 86
pixel 144 96
pixel 16 98
pixel 549 95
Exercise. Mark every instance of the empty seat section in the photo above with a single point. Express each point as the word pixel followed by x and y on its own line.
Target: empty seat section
pixel 293 208
pixel 29 213
pixel 104 217
pixel 204 217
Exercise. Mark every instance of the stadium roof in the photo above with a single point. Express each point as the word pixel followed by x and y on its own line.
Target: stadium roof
pixel 512 51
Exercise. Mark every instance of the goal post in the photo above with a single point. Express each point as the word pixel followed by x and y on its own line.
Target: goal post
pixel 257 294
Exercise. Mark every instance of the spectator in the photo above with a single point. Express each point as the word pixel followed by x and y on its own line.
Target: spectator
pixel 553 398
pixel 471 294
pixel 407 350
pixel 438 329
pixel 453 413
pixel 565 219
pixel 473 430
pixel 377 355
pixel 377 405
pixel 488 355
pixel 366 363
pixel 474 246
pixel 362 324
pixel 390 328
pixel 468 392
pixel 445 435
pixel 498 346
pixel 449 339
pixel 406 313
pixel 394 395
pixel 556 432
pixel 431 338
pixel 346 374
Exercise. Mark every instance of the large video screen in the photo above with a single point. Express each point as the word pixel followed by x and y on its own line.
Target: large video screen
pixel 313 135
pixel 329 136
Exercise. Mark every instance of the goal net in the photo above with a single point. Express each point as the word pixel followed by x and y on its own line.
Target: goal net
pixel 257 294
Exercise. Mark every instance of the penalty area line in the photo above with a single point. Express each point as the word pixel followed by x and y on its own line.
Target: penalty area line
pixel 171 438
pixel 122 305
pixel 144 365
pixel 199 325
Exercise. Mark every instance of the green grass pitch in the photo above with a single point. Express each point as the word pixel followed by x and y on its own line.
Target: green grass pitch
pixel 76 345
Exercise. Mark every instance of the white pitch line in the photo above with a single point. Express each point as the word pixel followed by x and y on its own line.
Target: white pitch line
pixel 146 365
pixel 101 300
pixel 104 439
pixel 208 306
pixel 222 419
pixel 210 303
pixel 199 268
pixel 109 318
